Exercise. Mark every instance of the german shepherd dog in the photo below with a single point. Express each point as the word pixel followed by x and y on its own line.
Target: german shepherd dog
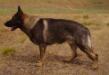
pixel 48 31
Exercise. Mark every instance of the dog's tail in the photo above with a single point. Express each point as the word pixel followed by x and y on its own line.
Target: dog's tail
pixel 86 41
pixel 89 41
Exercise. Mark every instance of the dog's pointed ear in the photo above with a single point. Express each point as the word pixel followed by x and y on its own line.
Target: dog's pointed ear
pixel 20 10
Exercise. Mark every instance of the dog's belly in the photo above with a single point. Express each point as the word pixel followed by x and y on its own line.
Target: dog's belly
pixel 51 40
pixel 54 40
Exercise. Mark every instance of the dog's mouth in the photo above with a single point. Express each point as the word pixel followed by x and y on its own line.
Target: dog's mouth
pixel 13 28
pixel 10 27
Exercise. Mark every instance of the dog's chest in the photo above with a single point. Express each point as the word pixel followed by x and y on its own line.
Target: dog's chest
pixel 37 33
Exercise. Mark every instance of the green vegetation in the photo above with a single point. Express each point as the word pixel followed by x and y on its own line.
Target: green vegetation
pixel 7 11
pixel 55 6
pixel 7 51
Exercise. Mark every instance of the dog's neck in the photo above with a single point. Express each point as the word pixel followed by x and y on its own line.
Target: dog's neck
pixel 29 23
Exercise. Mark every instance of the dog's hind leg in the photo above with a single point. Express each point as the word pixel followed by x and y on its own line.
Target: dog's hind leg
pixel 86 47
pixel 74 50
pixel 42 49
pixel 93 56
pixel 73 46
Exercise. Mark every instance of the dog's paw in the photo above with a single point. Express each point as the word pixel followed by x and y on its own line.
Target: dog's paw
pixel 39 64
pixel 94 66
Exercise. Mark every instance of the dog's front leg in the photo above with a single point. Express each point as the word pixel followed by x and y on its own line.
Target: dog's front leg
pixel 42 49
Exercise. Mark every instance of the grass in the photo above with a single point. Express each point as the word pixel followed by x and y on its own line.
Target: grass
pixel 53 6
pixel 2 30
pixel 107 24
pixel 86 16
pixel 88 23
pixel 22 39
pixel 7 11
pixel 7 51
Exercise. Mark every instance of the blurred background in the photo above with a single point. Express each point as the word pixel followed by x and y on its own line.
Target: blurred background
pixel 55 6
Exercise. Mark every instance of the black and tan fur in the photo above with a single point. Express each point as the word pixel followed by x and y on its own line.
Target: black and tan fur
pixel 48 31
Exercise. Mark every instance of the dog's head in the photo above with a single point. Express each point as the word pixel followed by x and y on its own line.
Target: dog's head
pixel 16 21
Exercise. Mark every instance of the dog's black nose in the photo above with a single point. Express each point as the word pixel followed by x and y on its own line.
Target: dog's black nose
pixel 7 23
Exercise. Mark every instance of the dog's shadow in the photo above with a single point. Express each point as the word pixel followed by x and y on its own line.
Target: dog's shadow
pixel 52 58
pixel 87 64
pixel 64 59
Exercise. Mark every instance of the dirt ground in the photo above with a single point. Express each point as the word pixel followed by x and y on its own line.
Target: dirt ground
pixel 23 61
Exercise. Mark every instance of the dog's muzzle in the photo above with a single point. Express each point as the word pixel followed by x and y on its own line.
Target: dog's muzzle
pixel 12 27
